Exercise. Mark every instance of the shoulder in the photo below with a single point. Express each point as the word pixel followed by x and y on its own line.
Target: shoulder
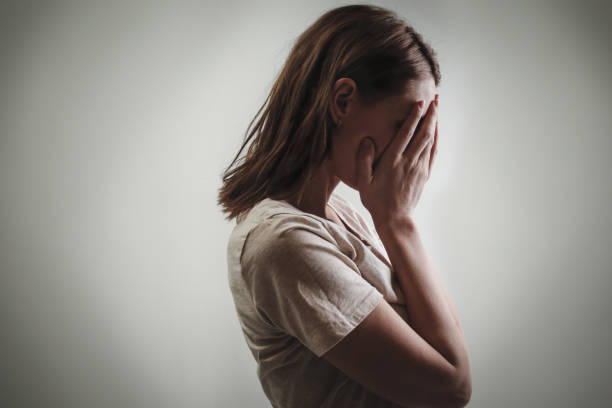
pixel 283 234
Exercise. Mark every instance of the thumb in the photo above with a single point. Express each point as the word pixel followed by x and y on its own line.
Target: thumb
pixel 365 157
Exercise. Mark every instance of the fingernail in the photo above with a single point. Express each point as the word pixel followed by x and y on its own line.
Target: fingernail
pixel 436 100
pixel 420 105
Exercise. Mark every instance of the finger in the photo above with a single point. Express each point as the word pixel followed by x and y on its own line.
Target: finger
pixel 434 149
pixel 424 135
pixel 365 157
pixel 424 156
pixel 404 135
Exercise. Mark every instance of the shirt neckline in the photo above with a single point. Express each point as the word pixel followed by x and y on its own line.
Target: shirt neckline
pixel 367 242
pixel 347 225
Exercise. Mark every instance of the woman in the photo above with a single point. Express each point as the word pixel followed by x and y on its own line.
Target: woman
pixel 336 313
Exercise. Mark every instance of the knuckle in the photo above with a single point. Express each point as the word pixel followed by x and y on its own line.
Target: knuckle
pixel 397 161
pixel 413 162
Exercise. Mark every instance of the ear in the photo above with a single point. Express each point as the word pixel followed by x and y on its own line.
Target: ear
pixel 343 97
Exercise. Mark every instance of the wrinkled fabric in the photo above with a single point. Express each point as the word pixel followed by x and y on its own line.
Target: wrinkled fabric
pixel 300 284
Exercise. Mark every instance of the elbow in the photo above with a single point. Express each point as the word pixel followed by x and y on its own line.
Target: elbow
pixel 463 396
pixel 462 390
pixel 456 393
pixel 456 398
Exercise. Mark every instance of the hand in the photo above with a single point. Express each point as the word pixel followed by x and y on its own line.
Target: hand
pixel 391 191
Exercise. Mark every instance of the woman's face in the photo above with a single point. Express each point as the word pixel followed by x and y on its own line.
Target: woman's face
pixel 380 122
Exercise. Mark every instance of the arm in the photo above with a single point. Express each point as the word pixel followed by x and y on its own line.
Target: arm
pixel 431 312
pixel 423 363
pixel 451 306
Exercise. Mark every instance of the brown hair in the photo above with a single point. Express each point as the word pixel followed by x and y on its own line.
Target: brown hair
pixel 292 136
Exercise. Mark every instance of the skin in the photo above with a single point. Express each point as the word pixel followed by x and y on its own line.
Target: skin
pixel 380 122
pixel 424 362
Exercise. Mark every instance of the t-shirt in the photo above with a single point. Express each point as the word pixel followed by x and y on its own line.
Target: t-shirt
pixel 300 284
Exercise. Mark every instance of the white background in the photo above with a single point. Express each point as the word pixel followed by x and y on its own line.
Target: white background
pixel 118 118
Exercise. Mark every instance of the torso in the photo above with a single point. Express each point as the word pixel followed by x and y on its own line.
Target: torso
pixel 281 358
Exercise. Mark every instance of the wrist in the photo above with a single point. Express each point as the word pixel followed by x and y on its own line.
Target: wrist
pixel 391 227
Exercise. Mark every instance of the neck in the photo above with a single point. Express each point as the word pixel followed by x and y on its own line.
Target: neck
pixel 317 192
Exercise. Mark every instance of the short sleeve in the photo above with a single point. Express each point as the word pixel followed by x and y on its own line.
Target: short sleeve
pixel 301 282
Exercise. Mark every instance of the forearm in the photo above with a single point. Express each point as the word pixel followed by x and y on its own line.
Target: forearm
pixel 429 309
pixel 451 306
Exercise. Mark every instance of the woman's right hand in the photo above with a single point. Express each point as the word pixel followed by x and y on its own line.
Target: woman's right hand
pixel 392 190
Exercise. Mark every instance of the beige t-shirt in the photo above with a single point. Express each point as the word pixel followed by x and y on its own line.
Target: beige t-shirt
pixel 300 284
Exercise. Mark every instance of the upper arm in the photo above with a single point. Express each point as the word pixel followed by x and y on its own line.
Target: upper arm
pixel 386 356
pixel 301 283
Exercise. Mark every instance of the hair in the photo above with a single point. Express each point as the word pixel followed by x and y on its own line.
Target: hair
pixel 293 127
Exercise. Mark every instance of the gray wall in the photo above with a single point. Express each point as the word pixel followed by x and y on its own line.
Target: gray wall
pixel 117 119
